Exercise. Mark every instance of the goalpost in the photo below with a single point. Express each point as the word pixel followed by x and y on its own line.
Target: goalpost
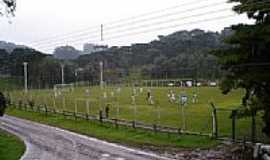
pixel 63 87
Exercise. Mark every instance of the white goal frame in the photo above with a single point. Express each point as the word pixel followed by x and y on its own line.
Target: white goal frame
pixel 64 87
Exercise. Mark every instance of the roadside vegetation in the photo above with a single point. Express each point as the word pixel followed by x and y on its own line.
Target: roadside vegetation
pixel 122 135
pixel 11 148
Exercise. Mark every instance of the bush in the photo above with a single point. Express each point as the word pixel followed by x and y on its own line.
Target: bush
pixel 3 104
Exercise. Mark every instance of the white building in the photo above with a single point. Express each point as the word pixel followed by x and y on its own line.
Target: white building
pixel 89 48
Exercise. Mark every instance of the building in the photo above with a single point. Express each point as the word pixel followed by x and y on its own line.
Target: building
pixel 89 48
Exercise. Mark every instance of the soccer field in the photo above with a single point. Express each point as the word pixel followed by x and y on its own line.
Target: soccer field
pixel 195 117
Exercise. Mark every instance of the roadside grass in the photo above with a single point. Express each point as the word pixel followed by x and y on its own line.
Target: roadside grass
pixel 11 148
pixel 123 135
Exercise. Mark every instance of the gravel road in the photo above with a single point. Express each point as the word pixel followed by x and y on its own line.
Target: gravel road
pixel 49 143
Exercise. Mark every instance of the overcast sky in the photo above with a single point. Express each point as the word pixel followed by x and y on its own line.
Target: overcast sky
pixel 43 24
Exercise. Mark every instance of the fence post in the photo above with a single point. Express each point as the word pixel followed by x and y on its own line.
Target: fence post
pixel 75 115
pixel 107 111
pixel 155 128
pixel 117 110
pixel 64 103
pixel 25 106
pixel 38 108
pixel 76 106
pixel 20 105
pixel 134 124
pixel 234 114
pixel 158 114
pixel 87 107
pixel 100 116
pixel 214 121
pixel 87 116
pixel 46 110
pixel 253 127
pixel 63 112
pixel 54 103
pixel 116 123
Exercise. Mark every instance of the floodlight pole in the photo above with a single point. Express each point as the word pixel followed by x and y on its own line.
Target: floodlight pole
pixel 62 73
pixel 101 74
pixel 25 77
pixel 101 32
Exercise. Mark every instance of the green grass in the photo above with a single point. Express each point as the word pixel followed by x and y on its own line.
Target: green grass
pixel 11 148
pixel 123 135
pixel 198 116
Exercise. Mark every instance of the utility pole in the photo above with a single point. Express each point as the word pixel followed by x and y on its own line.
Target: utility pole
pixel 101 32
pixel 101 74
pixel 62 73
pixel 25 77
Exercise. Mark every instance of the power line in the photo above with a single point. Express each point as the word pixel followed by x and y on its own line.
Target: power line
pixel 169 27
pixel 122 20
pixel 84 32
pixel 166 15
pixel 175 19
pixel 80 37
pixel 193 9
pixel 94 29
pixel 178 25
pixel 84 37
pixel 113 37
pixel 158 11
pixel 173 26
pixel 167 21
pixel 154 24
pixel 187 10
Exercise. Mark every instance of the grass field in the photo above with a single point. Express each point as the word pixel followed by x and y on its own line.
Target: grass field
pixel 11 148
pixel 197 116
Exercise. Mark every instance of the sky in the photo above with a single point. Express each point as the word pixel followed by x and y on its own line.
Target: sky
pixel 46 24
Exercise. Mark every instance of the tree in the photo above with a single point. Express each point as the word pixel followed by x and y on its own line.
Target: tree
pixel 7 7
pixel 246 59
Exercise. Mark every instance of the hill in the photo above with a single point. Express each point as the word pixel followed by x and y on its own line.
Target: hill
pixel 66 53
pixel 9 47
pixel 183 54
pixel 180 54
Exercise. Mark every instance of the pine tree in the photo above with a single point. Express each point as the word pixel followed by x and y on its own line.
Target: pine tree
pixel 246 58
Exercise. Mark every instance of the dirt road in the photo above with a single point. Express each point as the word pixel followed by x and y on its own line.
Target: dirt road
pixel 49 143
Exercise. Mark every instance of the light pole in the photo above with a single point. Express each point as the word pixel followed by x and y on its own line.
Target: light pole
pixel 25 76
pixel 101 74
pixel 62 73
